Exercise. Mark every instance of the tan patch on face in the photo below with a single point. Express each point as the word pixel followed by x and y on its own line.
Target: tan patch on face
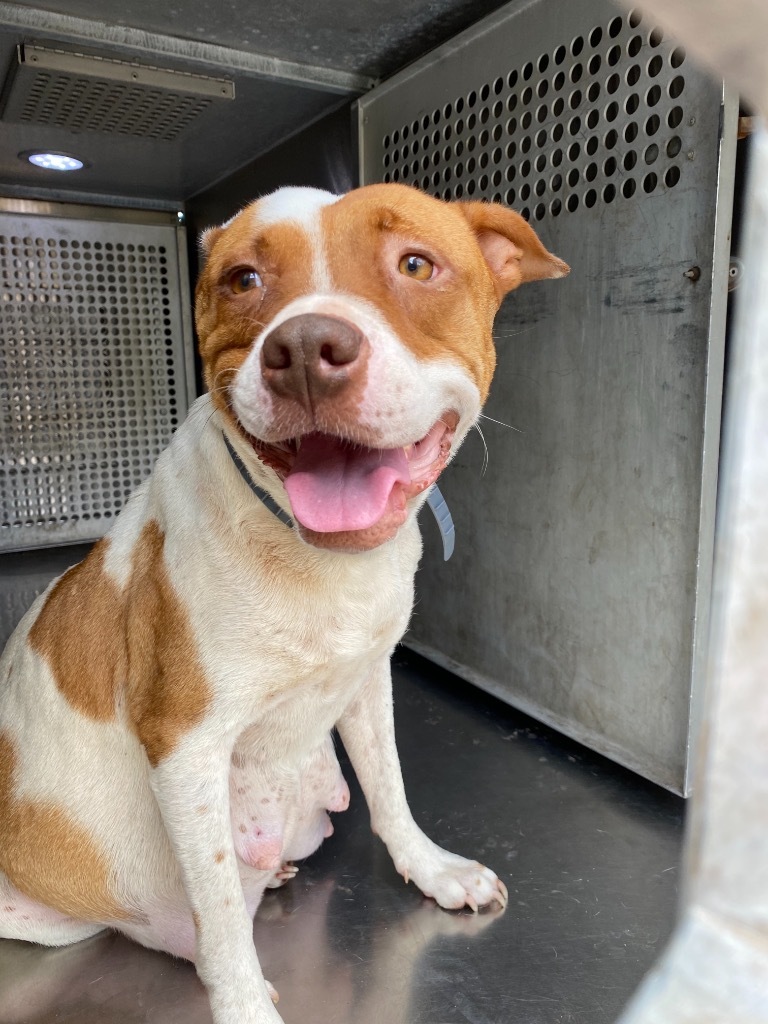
pixel 227 323
pixel 49 857
pixel 81 635
pixel 452 316
pixel 167 692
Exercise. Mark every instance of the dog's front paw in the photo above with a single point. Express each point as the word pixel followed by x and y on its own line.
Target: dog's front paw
pixel 453 881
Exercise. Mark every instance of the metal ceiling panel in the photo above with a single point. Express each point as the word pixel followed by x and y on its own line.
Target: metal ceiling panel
pixel 580 586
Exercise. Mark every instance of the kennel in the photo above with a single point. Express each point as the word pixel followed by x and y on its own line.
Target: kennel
pixel 579 592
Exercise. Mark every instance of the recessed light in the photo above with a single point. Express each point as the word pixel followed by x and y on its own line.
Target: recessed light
pixel 54 161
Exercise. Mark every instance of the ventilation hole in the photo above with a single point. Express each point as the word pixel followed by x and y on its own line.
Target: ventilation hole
pixel 527 71
pixel 543 63
pixel 675 117
pixel 590 198
pixel 649 182
pixel 542 88
pixel 525 191
pixel 674 146
pixel 628 188
pixel 609 193
pixel 651 154
pixel 630 159
pixel 676 87
pixel 590 172
pixel 633 74
pixel 525 168
pixel 558 106
pixel 574 125
pixel 574 152
pixel 656 37
pixel 541 162
pixel 574 99
pixel 672 177
pixel 613 83
pixel 634 19
pixel 560 54
pixel 541 140
pixel 512 79
pixel 592 119
pixel 526 213
pixel 525 145
pixel 525 120
pixel 540 187
pixel 573 177
pixel 572 203
pixel 634 46
pixel 576 72
pixel 612 111
pixel 577 46
pixel 677 57
pixel 615 27
pixel 540 211
pixel 611 138
pixel 631 103
pixel 559 80
pixel 556 182
pixel 652 124
pixel 557 157
pixel 594 64
pixel 555 207
pixel 614 56
pixel 655 64
pixel 653 95
pixel 592 145
pixel 510 196
pixel 609 167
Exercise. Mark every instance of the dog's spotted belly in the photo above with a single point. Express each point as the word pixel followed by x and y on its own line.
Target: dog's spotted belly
pixel 279 812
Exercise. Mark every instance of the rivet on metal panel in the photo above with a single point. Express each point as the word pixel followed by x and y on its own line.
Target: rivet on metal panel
pixel 735 273
pixel 693 274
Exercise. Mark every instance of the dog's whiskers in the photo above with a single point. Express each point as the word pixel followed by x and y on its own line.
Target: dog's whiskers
pixel 501 423
pixel 485 449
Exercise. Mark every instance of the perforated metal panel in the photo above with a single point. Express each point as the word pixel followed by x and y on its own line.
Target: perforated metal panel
pixel 597 117
pixel 61 89
pixel 94 368
pixel 579 590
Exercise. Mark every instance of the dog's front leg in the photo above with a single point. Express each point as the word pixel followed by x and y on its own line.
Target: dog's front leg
pixel 192 789
pixel 368 732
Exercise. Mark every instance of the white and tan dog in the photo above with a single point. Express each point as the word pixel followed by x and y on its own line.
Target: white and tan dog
pixel 166 705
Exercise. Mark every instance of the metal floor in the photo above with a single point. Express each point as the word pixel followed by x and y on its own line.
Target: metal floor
pixel 590 854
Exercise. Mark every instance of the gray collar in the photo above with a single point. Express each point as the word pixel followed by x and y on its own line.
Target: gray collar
pixel 435 500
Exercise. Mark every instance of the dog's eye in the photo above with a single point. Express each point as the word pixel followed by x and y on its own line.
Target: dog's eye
pixel 244 280
pixel 419 268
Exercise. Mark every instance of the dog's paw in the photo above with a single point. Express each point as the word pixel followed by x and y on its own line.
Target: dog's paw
pixel 453 881
pixel 286 873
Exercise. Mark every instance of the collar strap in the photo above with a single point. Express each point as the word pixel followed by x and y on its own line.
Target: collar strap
pixel 435 500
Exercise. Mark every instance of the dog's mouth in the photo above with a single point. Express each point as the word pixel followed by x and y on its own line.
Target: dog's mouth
pixel 350 496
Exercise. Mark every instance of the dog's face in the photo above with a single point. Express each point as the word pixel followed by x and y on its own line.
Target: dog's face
pixel 348 339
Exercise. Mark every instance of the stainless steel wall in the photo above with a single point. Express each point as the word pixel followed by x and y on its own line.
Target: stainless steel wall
pixel 580 586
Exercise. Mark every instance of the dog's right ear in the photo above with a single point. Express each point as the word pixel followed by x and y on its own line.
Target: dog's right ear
pixel 207 240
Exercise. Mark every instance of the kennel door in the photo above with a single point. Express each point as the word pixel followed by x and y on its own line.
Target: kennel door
pixel 96 363
pixel 579 590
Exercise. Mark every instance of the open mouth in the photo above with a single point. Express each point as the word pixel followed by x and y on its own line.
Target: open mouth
pixel 337 487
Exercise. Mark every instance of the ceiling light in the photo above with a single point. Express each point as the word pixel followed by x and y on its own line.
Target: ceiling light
pixel 54 161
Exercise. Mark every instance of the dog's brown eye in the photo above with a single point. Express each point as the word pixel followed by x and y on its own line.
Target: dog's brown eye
pixel 244 281
pixel 417 267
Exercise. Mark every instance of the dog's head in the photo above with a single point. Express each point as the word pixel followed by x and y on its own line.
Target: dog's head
pixel 348 340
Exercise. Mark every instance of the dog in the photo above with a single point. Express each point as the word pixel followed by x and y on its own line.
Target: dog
pixel 166 706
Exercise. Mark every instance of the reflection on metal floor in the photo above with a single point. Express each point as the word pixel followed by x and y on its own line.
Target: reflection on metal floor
pixel 590 854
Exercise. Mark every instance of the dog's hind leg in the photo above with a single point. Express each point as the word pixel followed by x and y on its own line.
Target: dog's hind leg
pixel 25 919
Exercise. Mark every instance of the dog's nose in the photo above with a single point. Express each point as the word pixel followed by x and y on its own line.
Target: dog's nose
pixel 309 357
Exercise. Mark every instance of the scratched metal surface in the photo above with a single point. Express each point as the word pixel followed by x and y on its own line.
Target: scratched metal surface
pixel 589 851
pixel 579 590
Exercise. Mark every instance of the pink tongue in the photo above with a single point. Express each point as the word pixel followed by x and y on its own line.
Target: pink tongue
pixel 335 486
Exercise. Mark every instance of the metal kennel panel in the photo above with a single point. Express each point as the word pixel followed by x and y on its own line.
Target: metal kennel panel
pixel 95 363
pixel 580 586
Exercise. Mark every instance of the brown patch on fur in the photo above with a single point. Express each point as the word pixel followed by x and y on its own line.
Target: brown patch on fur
pixel 450 315
pixel 227 323
pixel 80 633
pixel 167 692
pixel 196 919
pixel 51 858
pixel 219 856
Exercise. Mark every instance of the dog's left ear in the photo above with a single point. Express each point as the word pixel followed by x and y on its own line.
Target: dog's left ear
pixel 510 246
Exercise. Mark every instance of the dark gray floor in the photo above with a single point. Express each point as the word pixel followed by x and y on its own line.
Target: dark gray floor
pixel 590 854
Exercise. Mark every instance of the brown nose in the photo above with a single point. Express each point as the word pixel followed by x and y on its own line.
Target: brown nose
pixel 312 356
